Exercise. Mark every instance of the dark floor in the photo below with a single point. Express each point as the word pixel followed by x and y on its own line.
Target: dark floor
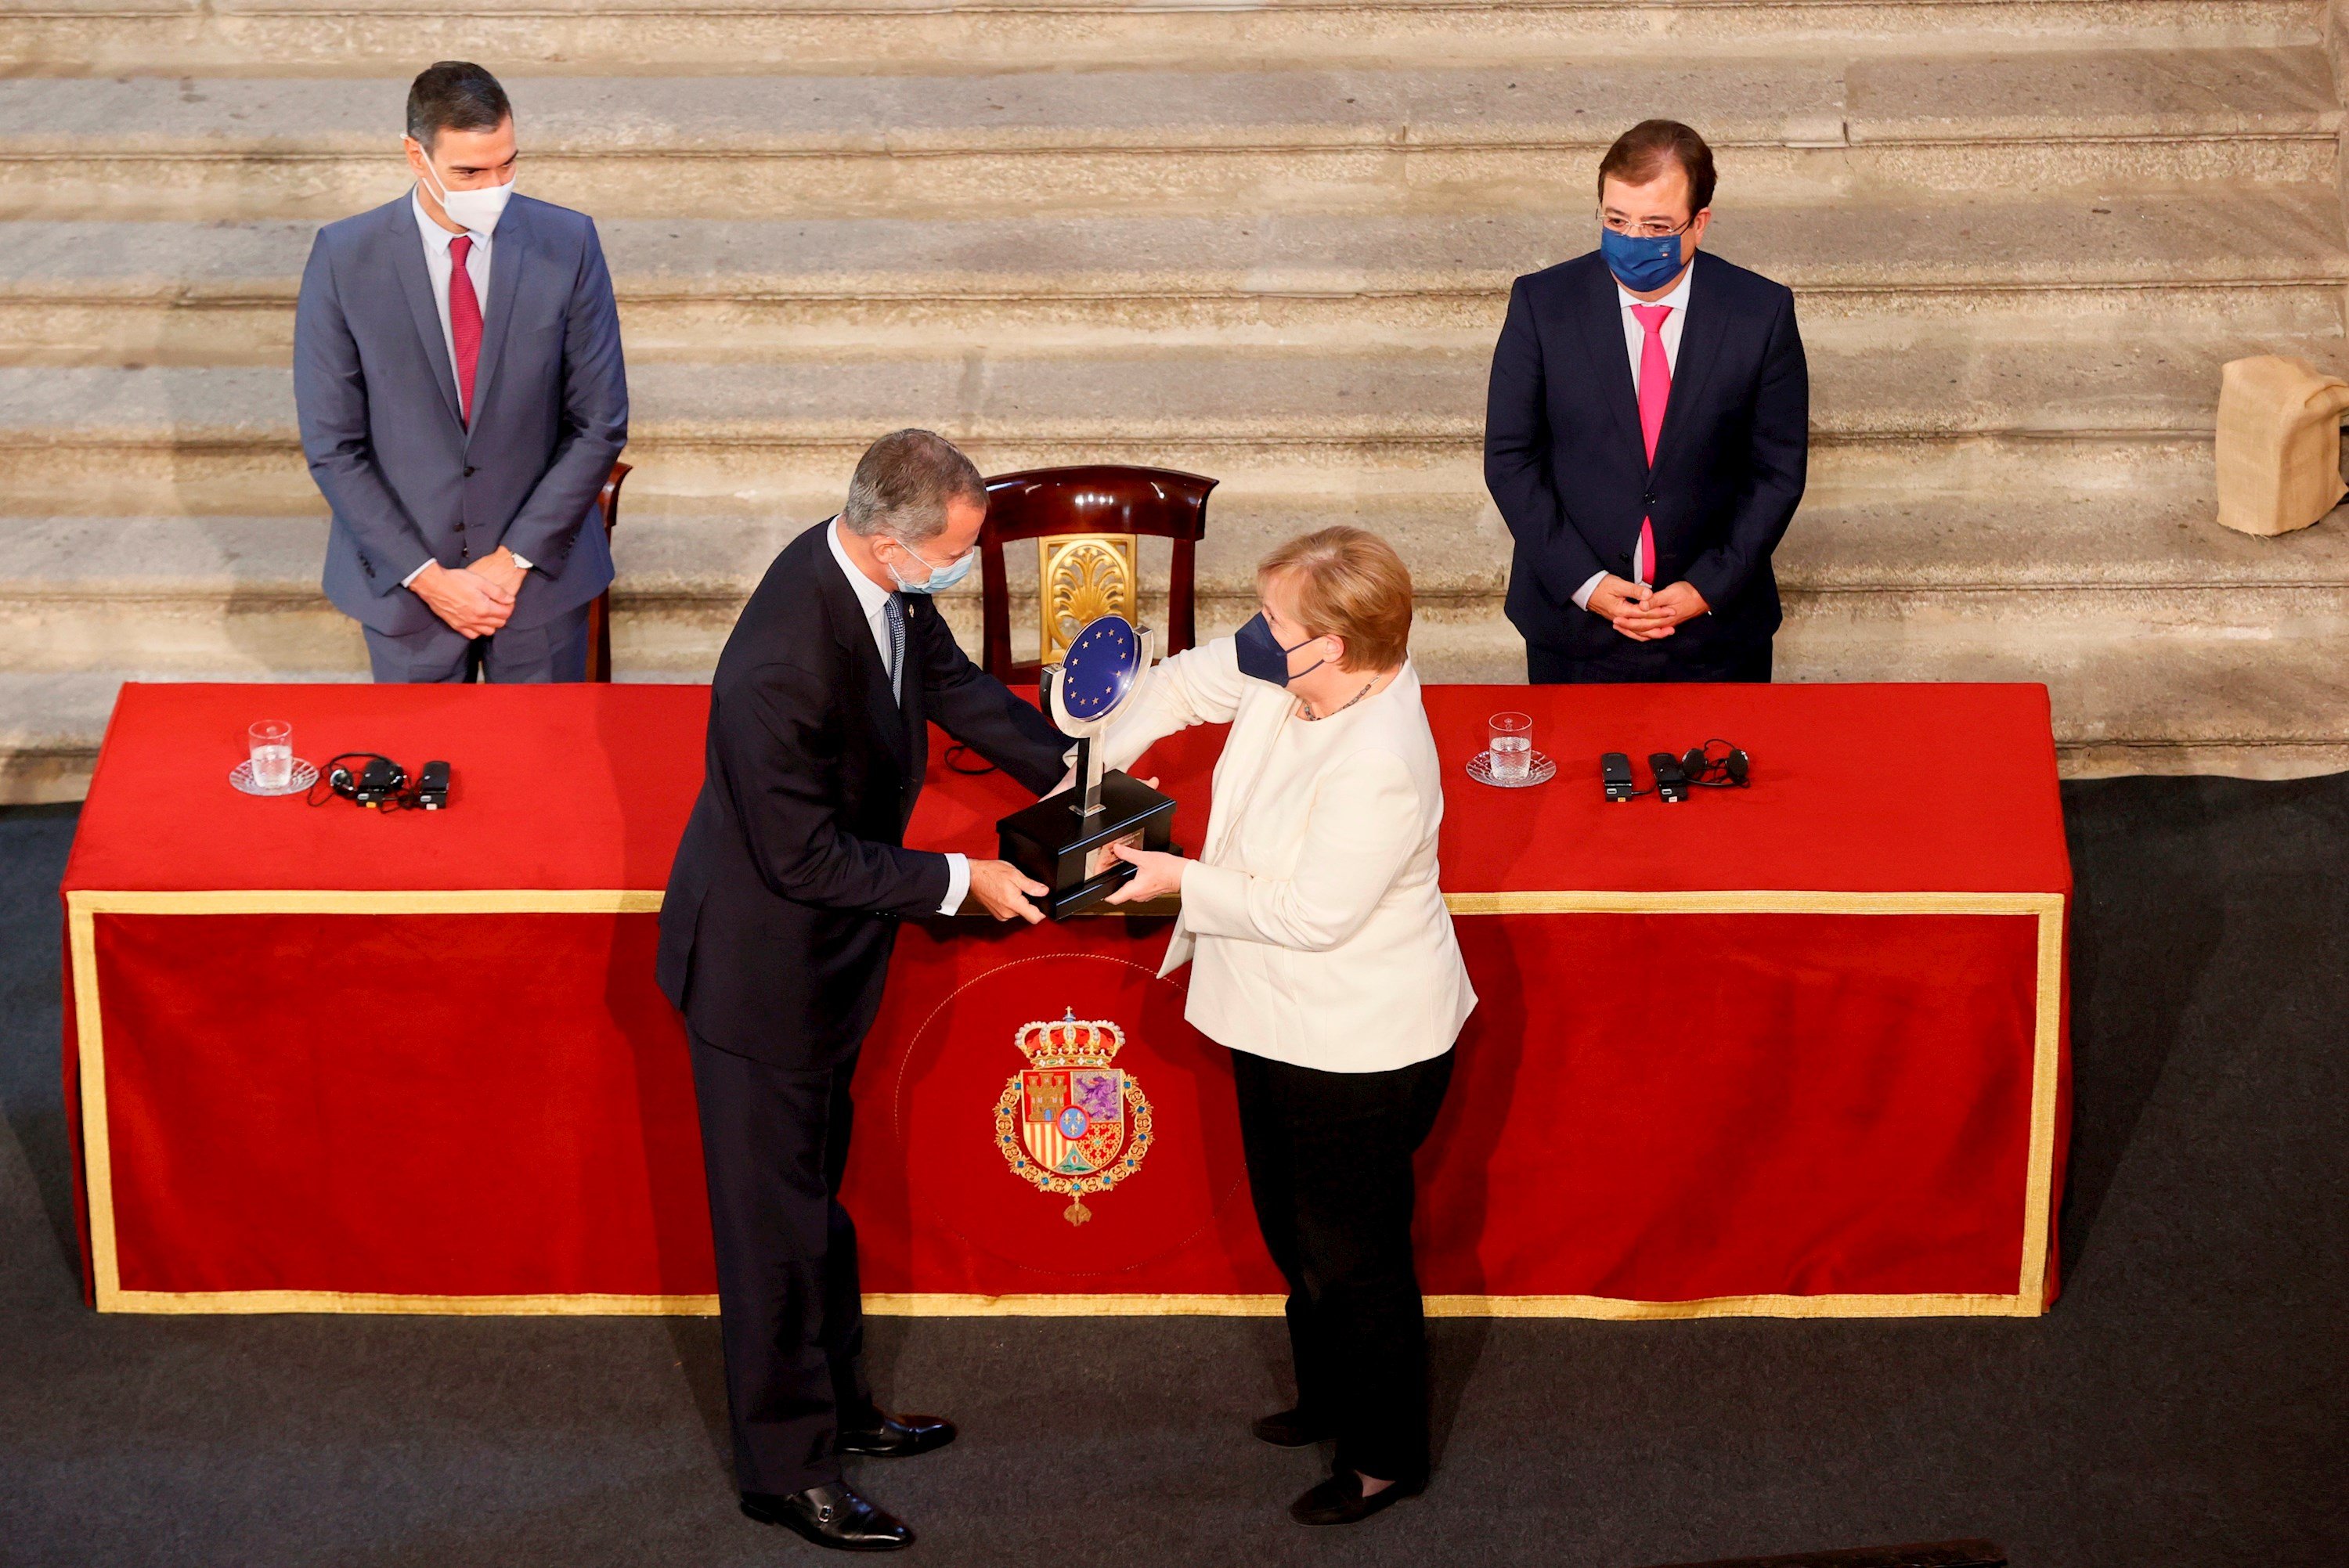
pixel 2185 1404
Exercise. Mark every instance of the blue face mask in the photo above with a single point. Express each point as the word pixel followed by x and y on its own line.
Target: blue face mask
pixel 1640 265
pixel 940 578
pixel 1262 656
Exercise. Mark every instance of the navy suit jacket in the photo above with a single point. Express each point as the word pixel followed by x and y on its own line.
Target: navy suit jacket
pixel 785 893
pixel 408 480
pixel 1567 466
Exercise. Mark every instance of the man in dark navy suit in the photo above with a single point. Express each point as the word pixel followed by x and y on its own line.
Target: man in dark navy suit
pixel 784 903
pixel 1646 437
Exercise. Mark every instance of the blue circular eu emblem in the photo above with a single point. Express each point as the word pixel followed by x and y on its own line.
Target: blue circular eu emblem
pixel 1074 1122
pixel 1099 667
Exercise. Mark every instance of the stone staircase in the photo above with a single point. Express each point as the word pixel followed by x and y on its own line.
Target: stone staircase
pixel 1269 243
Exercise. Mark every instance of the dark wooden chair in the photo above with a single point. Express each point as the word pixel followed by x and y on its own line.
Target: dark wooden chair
pixel 599 612
pixel 1086 522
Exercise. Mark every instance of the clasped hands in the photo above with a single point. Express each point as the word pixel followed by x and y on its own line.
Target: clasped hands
pixel 1005 891
pixel 476 601
pixel 1644 613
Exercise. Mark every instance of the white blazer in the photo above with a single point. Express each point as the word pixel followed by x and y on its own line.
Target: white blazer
pixel 1311 917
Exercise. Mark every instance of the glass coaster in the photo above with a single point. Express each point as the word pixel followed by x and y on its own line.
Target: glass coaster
pixel 1540 770
pixel 305 775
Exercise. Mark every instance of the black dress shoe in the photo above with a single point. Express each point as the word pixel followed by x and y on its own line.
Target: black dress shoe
pixel 1340 1500
pixel 1291 1429
pixel 832 1516
pixel 898 1437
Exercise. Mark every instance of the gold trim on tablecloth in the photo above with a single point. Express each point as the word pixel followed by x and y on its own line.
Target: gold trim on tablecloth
pixel 949 1303
pixel 1763 900
pixel 590 1304
pixel 375 901
pixel 90 1057
pixel 2046 1050
pixel 2029 1300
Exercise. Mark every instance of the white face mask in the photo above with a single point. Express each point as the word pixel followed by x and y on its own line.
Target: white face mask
pixel 476 209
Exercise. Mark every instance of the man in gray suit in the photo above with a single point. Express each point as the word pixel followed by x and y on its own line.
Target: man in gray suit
pixel 458 374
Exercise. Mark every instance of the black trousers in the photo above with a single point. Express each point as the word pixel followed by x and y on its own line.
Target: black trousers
pixel 774 1143
pixel 1328 1161
pixel 1649 662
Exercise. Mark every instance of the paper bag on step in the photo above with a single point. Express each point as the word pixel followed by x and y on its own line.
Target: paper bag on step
pixel 2279 444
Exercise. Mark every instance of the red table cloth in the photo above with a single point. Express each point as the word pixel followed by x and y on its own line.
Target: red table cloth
pixel 1796 1050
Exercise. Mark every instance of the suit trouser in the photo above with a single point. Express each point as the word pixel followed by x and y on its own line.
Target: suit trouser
pixel 1329 1164
pixel 553 650
pixel 1647 662
pixel 774 1143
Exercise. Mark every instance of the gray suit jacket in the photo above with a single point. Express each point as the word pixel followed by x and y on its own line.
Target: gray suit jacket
pixel 378 400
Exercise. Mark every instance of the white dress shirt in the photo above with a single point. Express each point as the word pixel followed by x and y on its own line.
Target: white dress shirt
pixel 874 600
pixel 1312 918
pixel 1635 344
pixel 439 263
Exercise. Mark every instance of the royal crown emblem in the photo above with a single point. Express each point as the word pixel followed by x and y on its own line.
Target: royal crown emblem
pixel 1070 1122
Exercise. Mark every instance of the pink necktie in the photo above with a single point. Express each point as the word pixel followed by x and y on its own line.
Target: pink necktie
pixel 465 327
pixel 1655 391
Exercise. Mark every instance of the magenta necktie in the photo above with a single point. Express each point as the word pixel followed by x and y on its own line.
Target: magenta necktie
pixel 465 327
pixel 1655 391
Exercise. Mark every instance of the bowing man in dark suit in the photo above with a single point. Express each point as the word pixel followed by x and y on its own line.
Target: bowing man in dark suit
pixel 457 377
pixel 782 906
pixel 1647 436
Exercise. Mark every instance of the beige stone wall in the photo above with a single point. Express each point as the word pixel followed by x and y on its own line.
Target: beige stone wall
pixel 1271 245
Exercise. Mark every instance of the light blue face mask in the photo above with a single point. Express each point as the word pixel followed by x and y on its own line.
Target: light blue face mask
pixel 940 578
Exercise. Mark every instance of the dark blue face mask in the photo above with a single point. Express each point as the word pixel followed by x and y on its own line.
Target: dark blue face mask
pixel 1640 264
pixel 1262 656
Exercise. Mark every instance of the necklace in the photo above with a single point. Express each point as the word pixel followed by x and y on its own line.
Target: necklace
pixel 1313 717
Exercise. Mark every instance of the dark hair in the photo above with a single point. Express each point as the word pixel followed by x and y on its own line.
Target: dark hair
pixel 454 94
pixel 1641 153
pixel 903 483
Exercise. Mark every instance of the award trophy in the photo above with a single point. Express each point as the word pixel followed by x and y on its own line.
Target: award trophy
pixel 1065 840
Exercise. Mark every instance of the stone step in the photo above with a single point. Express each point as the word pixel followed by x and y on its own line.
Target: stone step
pixel 1901 405
pixel 2260 702
pixel 2257 702
pixel 173 37
pixel 50 724
pixel 2275 259
pixel 1303 138
pixel 241 595
pixel 2084 544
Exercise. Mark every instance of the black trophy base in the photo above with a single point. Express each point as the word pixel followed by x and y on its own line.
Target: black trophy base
pixel 1057 845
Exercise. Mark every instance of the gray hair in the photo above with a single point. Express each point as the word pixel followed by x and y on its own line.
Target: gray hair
pixel 903 483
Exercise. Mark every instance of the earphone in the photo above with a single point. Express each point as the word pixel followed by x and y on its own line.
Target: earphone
pixel 367 777
pixel 371 779
pixel 1717 765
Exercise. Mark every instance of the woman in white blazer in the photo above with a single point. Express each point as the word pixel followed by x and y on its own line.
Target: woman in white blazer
pixel 1322 954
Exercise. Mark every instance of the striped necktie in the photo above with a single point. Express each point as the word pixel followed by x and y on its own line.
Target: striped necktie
pixel 895 611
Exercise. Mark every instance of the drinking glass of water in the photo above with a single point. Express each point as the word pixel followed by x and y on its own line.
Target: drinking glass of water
pixel 273 753
pixel 1512 745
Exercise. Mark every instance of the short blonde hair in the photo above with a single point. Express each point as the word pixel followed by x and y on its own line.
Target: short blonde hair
pixel 1349 584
